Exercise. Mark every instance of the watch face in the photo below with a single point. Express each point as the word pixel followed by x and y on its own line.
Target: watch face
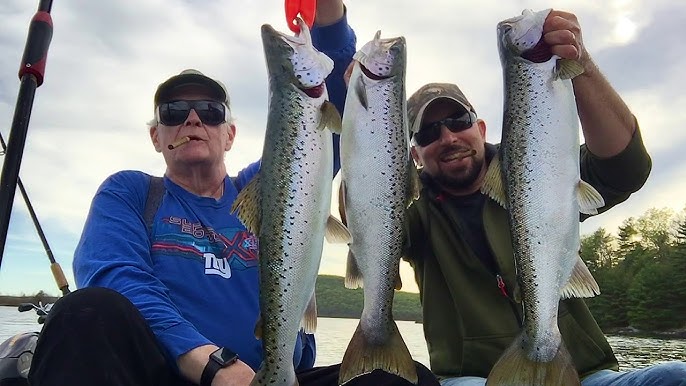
pixel 224 356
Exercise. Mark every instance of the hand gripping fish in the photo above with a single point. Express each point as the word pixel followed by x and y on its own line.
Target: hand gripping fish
pixel 287 205
pixel 537 179
pixel 379 181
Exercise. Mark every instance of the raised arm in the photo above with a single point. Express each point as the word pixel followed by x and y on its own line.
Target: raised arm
pixel 333 36
pixel 607 122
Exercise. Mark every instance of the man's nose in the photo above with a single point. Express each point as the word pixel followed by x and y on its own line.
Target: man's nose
pixel 193 119
pixel 447 136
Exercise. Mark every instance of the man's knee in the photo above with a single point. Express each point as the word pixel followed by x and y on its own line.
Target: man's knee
pixel 85 305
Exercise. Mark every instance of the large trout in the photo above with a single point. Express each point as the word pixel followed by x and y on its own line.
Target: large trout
pixel 378 183
pixel 287 205
pixel 543 193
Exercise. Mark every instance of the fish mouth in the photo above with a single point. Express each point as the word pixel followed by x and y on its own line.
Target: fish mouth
pixel 369 74
pixel 540 53
pixel 314 92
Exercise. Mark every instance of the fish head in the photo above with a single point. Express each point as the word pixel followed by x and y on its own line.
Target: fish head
pixel 382 58
pixel 522 37
pixel 296 58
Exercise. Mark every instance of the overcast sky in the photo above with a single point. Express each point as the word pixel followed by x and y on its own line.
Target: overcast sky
pixel 106 59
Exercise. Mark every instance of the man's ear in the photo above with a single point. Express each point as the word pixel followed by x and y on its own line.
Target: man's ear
pixel 415 157
pixel 155 139
pixel 482 128
pixel 232 135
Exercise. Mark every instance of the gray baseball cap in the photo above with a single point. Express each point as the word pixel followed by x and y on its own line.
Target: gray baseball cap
pixel 191 77
pixel 422 98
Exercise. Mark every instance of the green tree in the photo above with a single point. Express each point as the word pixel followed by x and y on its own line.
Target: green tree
pixel 610 308
pixel 653 299
pixel 677 267
pixel 598 250
pixel 655 231
pixel 680 237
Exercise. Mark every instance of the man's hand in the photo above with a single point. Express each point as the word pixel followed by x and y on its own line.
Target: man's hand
pixel 328 12
pixel 562 32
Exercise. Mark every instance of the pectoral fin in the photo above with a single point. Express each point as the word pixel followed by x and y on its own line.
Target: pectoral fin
pixel 569 69
pixel 248 206
pixel 414 182
pixel 330 118
pixel 589 198
pixel 493 183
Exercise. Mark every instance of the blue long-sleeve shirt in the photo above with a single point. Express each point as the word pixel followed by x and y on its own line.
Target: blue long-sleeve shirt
pixel 195 278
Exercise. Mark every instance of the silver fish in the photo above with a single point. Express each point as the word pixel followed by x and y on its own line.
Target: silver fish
pixel 287 205
pixel 378 183
pixel 538 170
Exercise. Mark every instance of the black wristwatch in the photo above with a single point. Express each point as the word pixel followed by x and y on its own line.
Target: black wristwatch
pixel 219 359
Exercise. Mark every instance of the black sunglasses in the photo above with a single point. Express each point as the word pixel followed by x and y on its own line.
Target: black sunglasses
pixel 175 113
pixel 457 122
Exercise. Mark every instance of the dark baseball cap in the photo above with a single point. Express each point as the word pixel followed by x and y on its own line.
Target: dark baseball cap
pixel 422 98
pixel 191 77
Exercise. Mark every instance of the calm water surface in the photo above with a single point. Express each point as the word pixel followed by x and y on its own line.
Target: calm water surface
pixel 333 336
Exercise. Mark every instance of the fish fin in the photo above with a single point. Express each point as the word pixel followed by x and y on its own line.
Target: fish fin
pixel 353 275
pixel 309 321
pixel 581 283
pixel 248 205
pixel 415 182
pixel 336 232
pixel 515 368
pixel 589 198
pixel 569 69
pixel 330 118
pixel 362 357
pixel 361 92
pixel 258 328
pixel 341 203
pixel 493 183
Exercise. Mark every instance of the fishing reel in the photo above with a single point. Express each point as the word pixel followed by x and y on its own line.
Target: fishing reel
pixel 41 310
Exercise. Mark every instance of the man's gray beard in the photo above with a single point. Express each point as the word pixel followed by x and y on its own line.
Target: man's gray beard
pixel 463 181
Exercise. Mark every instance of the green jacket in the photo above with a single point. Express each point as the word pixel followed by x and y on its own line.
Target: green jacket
pixel 468 321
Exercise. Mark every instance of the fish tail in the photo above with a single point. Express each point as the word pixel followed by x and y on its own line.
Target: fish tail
pixel 362 357
pixel 514 368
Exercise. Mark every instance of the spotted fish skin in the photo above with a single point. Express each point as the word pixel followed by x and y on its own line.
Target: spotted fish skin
pixel 543 194
pixel 288 203
pixel 377 187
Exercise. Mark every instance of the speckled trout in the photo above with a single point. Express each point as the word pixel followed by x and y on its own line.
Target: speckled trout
pixel 378 182
pixel 538 170
pixel 287 205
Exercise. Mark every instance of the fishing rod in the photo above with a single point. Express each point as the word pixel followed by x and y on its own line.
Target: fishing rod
pixel 31 74
pixel 57 273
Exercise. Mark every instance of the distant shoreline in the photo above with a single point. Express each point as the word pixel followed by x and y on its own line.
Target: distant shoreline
pixel 14 301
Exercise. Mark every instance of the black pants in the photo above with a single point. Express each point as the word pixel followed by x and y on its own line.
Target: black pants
pixel 95 336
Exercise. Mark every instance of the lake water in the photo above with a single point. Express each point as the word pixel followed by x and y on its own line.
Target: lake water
pixel 333 336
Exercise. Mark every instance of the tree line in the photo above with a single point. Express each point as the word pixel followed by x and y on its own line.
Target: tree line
pixel 641 271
